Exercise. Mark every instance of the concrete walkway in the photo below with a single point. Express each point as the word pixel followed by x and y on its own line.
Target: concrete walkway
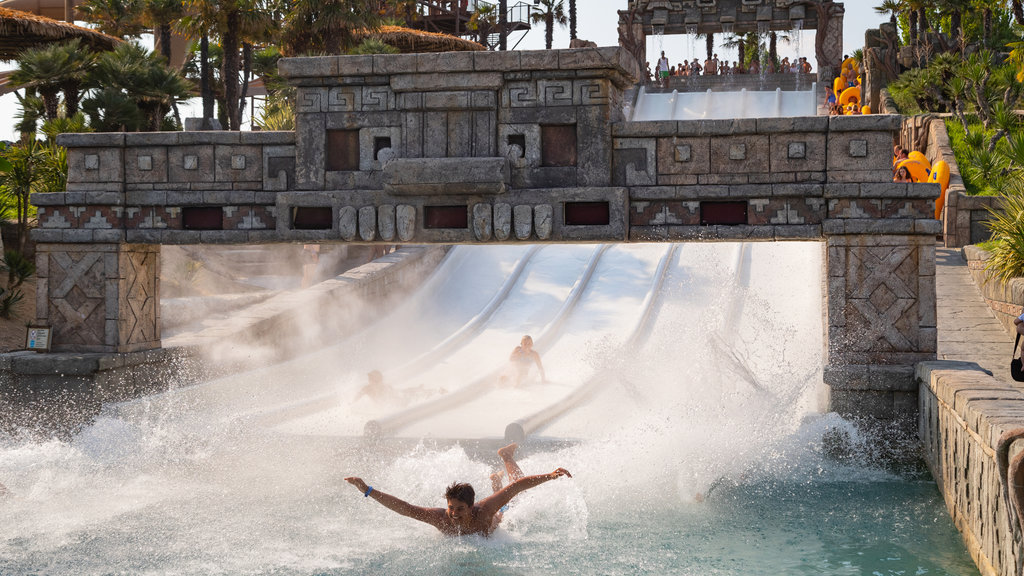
pixel 967 327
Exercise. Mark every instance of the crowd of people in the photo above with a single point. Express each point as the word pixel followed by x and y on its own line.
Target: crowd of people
pixel 663 70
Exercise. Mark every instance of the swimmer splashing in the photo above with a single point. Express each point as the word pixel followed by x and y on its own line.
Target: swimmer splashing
pixel 462 516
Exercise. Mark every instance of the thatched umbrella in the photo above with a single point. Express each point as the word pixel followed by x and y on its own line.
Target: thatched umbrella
pixel 407 40
pixel 20 30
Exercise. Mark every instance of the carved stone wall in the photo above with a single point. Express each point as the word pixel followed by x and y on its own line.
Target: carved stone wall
pixel 99 297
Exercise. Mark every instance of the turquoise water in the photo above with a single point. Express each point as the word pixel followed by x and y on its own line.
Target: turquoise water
pixel 213 508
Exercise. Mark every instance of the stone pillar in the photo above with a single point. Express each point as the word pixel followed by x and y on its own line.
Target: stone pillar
pixel 881 321
pixel 99 297
pixel 828 41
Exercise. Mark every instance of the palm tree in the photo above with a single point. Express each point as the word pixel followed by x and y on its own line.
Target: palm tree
pixel 1017 7
pixel 891 7
pixel 550 12
pixel 160 16
pixel 325 26
pixel 120 18
pixel 132 76
pixel 484 21
pixel 572 19
pixel 54 68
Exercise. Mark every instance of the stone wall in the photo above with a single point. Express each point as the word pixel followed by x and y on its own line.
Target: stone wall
pixel 1005 300
pixel 963 216
pixel 964 413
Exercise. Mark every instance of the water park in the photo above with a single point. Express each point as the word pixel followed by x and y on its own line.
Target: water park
pixel 737 315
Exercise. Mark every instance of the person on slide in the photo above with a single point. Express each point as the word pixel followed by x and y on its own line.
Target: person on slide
pixel 463 516
pixel 521 358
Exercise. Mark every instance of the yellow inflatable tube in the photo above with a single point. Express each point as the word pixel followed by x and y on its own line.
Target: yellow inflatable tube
pixel 919 156
pixel 839 85
pixel 849 63
pixel 848 95
pixel 918 170
pixel 865 109
pixel 940 176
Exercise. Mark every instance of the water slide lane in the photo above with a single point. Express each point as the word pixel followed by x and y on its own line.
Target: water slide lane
pixel 534 305
pixel 451 298
pixel 519 429
pixel 600 325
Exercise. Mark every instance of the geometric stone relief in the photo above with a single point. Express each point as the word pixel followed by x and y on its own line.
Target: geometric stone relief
pixel 529 135
pixel 77 297
pixel 882 287
pixel 635 162
pixel 137 320
pixel 546 93
pixel 278 167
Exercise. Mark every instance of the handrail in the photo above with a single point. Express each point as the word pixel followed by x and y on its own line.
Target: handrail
pixel 469 329
pixel 518 430
pixel 395 422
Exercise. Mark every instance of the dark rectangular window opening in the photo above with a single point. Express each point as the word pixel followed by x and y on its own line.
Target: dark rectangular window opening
pixel 342 150
pixel 723 213
pixel 380 143
pixel 518 140
pixel 202 218
pixel 558 145
pixel 446 217
pixel 587 214
pixel 312 218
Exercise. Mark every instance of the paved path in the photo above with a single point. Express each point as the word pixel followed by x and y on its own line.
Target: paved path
pixel 967 327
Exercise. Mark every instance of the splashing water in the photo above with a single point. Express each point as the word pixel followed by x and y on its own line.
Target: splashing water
pixel 705 456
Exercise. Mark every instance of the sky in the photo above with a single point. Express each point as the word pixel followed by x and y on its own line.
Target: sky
pixel 598 21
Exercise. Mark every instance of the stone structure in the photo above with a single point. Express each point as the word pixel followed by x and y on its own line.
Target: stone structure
pixel 969 422
pixel 643 18
pixel 501 147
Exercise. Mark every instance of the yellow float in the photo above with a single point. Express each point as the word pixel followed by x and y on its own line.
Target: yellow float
pixel 865 109
pixel 839 85
pixel 850 96
pixel 915 155
pixel 849 63
pixel 940 176
pixel 918 170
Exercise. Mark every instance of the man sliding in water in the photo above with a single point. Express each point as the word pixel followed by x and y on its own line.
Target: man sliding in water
pixel 462 516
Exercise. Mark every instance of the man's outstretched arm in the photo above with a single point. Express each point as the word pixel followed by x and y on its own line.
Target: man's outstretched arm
pixel 432 516
pixel 494 502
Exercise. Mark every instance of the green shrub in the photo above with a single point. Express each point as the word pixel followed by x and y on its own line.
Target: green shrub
pixel 8 300
pixel 1007 226
pixel 19 268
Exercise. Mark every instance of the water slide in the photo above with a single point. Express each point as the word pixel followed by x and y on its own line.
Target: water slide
pixel 534 299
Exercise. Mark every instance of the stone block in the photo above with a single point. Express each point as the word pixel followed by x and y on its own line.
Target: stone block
pixel 267 138
pixel 483 224
pixel 735 127
pixel 446 175
pixel 502 221
pixel 386 222
pixel 48 199
pixel 209 137
pixel 735 155
pixel 797 152
pixel 96 165
pixel 445 62
pixel 542 220
pixel 238 163
pixel 888 123
pixel 454 82
pixel 145 164
pixel 792 125
pixel 536 60
pixel 191 164
pixel 367 223
pixel 495 61
pixel 405 222
pixel 309 66
pixel 522 221
pixel 391 64
pixel 854 176
pixel 645 129
pixel 355 65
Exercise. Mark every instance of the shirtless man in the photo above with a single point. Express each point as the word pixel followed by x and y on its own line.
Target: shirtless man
pixel 462 516
pixel 522 357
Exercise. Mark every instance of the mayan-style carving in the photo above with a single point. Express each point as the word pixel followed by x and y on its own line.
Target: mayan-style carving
pixel 882 302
